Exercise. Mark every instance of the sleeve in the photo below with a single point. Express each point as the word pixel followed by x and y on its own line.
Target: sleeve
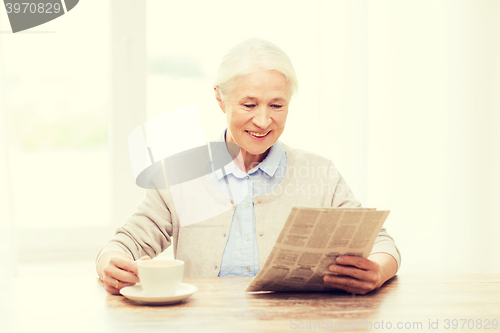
pixel 147 231
pixel 343 197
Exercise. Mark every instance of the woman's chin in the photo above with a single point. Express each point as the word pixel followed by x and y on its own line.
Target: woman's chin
pixel 261 149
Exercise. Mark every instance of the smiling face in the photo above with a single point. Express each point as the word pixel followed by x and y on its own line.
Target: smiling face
pixel 256 110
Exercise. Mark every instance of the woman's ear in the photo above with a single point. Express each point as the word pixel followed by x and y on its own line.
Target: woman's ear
pixel 219 98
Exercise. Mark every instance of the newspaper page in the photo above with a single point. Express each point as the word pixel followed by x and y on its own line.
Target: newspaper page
pixel 311 240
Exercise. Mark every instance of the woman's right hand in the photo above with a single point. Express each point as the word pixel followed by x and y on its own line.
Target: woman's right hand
pixel 119 272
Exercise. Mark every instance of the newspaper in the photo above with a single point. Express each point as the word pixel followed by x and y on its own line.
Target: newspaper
pixel 311 240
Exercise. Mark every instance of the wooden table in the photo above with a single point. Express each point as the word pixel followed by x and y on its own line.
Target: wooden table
pixel 420 303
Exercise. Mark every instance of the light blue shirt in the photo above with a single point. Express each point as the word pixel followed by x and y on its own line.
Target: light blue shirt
pixel 241 257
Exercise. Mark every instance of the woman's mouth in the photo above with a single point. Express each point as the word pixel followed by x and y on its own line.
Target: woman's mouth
pixel 257 134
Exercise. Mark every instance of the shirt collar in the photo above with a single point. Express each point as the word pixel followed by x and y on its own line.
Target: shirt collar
pixel 269 165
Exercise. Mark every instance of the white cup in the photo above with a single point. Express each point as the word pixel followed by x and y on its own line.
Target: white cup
pixel 160 277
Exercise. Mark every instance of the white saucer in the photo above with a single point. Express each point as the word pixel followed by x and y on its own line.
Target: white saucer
pixel 137 294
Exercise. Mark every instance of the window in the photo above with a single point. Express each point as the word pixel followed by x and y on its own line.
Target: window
pixel 55 100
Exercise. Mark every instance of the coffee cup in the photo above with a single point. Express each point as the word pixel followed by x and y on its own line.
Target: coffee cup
pixel 160 277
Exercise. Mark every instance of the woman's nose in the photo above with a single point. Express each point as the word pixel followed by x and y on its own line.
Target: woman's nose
pixel 262 118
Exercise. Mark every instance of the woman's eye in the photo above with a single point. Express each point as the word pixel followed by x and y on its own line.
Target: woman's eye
pixel 249 105
pixel 276 106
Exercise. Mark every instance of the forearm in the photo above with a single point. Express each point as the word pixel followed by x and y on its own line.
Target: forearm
pixel 104 260
pixel 388 265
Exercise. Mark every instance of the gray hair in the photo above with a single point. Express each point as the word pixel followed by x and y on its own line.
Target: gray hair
pixel 249 55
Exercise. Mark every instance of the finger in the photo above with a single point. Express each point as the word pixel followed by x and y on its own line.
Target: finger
pixel 348 289
pixel 347 284
pixel 124 276
pixel 124 264
pixel 113 285
pixel 145 258
pixel 111 290
pixel 354 272
pixel 116 284
pixel 358 262
pixel 119 274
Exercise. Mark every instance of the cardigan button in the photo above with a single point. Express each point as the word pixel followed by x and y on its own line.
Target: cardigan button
pixel 259 200
pixel 261 234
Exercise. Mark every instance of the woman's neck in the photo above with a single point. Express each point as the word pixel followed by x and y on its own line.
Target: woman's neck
pixel 246 161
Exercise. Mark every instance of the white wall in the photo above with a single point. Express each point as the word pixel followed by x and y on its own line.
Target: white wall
pixel 433 114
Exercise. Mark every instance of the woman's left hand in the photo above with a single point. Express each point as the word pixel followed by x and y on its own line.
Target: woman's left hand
pixel 361 275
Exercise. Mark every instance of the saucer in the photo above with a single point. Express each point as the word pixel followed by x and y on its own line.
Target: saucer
pixel 137 294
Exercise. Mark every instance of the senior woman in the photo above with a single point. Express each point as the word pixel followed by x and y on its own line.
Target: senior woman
pixel 254 87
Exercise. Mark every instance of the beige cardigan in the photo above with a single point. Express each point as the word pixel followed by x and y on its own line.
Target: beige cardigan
pixel 310 180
